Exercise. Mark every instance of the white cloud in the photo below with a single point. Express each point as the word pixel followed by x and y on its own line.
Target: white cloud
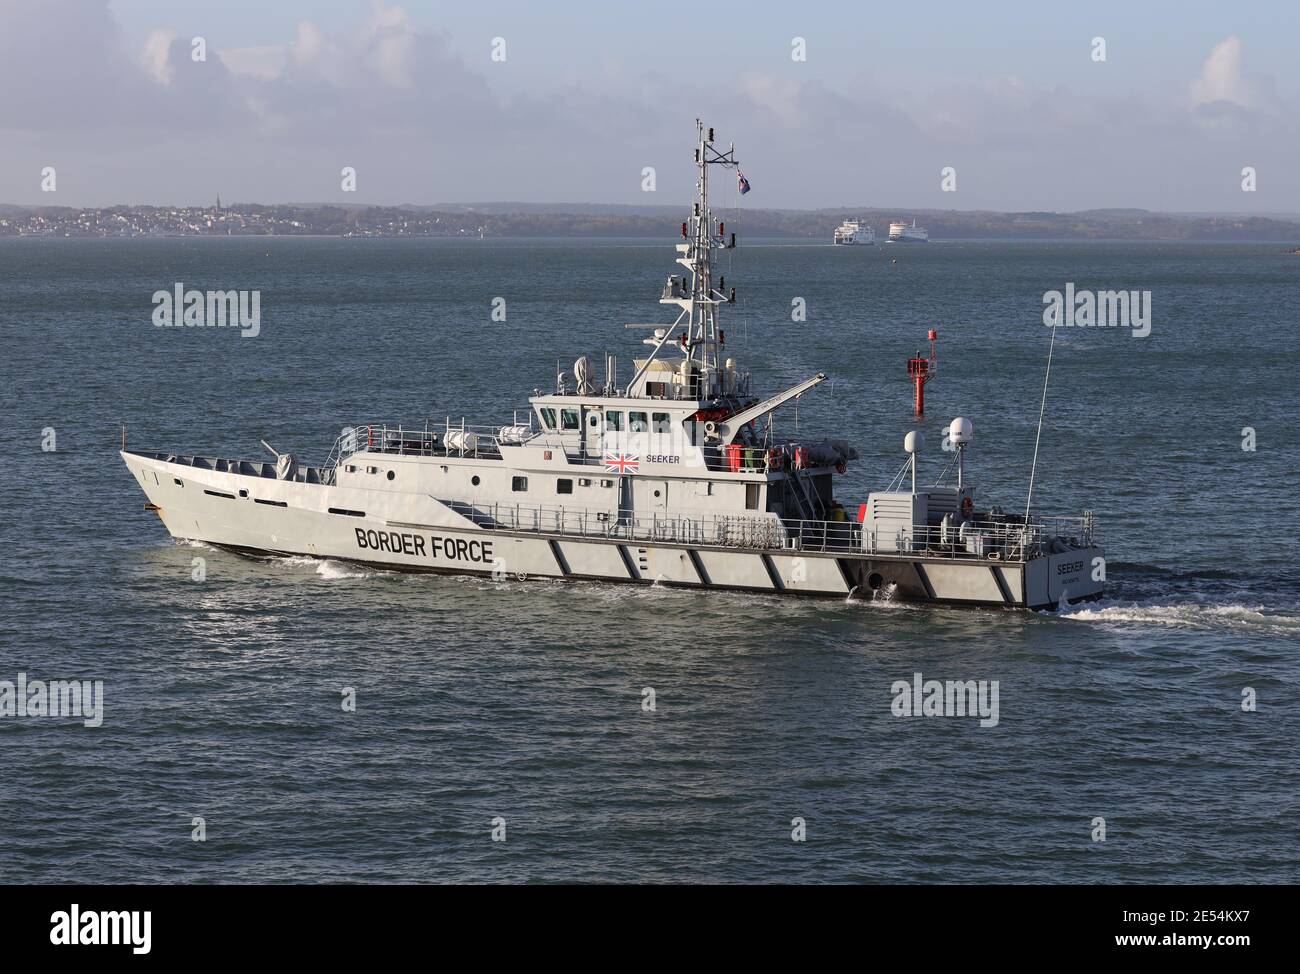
pixel 390 40
pixel 422 125
pixel 266 63
pixel 1222 78
pixel 311 45
pixel 155 55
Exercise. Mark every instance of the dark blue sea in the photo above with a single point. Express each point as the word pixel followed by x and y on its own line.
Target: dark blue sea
pixel 522 701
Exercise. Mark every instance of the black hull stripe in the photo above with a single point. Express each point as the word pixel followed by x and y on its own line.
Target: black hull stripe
pixel 772 573
pixel 632 573
pixel 699 566
pixel 925 580
pixel 560 560
pixel 1002 584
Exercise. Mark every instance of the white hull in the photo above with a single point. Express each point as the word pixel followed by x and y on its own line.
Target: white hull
pixel 414 532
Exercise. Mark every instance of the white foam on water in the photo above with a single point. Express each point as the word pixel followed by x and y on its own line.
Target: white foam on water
pixel 1192 616
pixel 334 570
pixel 329 568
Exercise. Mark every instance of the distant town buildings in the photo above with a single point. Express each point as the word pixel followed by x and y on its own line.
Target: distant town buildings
pixel 237 220
pixel 589 220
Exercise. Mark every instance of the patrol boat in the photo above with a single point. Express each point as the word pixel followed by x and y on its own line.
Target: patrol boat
pixel 677 477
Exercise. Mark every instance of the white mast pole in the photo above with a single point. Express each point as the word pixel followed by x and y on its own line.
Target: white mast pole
pixel 1042 409
pixel 701 291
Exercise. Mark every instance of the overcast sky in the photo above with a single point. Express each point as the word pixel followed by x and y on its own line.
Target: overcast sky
pixel 589 93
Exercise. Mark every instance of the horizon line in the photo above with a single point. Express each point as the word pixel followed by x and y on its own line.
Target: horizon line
pixel 444 206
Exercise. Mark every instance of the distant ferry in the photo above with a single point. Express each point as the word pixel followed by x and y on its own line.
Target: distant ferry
pixel 900 232
pixel 854 232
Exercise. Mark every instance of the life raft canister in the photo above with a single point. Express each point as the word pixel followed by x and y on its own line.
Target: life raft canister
pixel 967 507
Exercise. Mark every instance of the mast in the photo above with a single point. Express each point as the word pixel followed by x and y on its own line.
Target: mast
pixel 702 342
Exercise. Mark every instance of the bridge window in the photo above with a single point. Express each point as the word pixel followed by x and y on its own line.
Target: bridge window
pixel 663 423
pixel 569 419
pixel 518 484
pixel 636 423
pixel 548 418
pixel 564 486
pixel 613 421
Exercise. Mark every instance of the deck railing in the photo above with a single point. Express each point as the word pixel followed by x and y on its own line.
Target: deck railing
pixel 1006 539
pixel 484 442
pixel 452 439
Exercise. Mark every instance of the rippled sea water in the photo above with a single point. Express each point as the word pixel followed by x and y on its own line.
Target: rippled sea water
pixel 523 700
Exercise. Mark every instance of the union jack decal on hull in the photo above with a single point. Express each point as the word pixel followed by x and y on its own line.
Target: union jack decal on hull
pixel 622 462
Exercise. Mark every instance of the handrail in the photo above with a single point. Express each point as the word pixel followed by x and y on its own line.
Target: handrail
pixel 484 442
pixel 1006 539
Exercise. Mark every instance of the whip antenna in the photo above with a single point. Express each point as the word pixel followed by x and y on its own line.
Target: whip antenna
pixel 1039 435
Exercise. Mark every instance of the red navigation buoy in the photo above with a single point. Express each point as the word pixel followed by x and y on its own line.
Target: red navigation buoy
pixel 923 369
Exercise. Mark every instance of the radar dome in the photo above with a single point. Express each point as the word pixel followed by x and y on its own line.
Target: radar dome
pixel 961 431
pixel 913 441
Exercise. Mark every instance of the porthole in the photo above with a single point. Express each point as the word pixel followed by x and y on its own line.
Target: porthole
pixel 474 480
pixel 391 475
pixel 656 493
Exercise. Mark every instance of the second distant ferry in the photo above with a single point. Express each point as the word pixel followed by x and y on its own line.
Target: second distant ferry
pixel 900 232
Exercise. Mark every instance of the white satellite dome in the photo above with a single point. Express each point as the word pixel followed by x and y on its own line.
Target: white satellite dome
pixel 913 441
pixel 960 431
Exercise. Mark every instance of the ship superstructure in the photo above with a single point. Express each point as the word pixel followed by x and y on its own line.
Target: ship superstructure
pixel 677 476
